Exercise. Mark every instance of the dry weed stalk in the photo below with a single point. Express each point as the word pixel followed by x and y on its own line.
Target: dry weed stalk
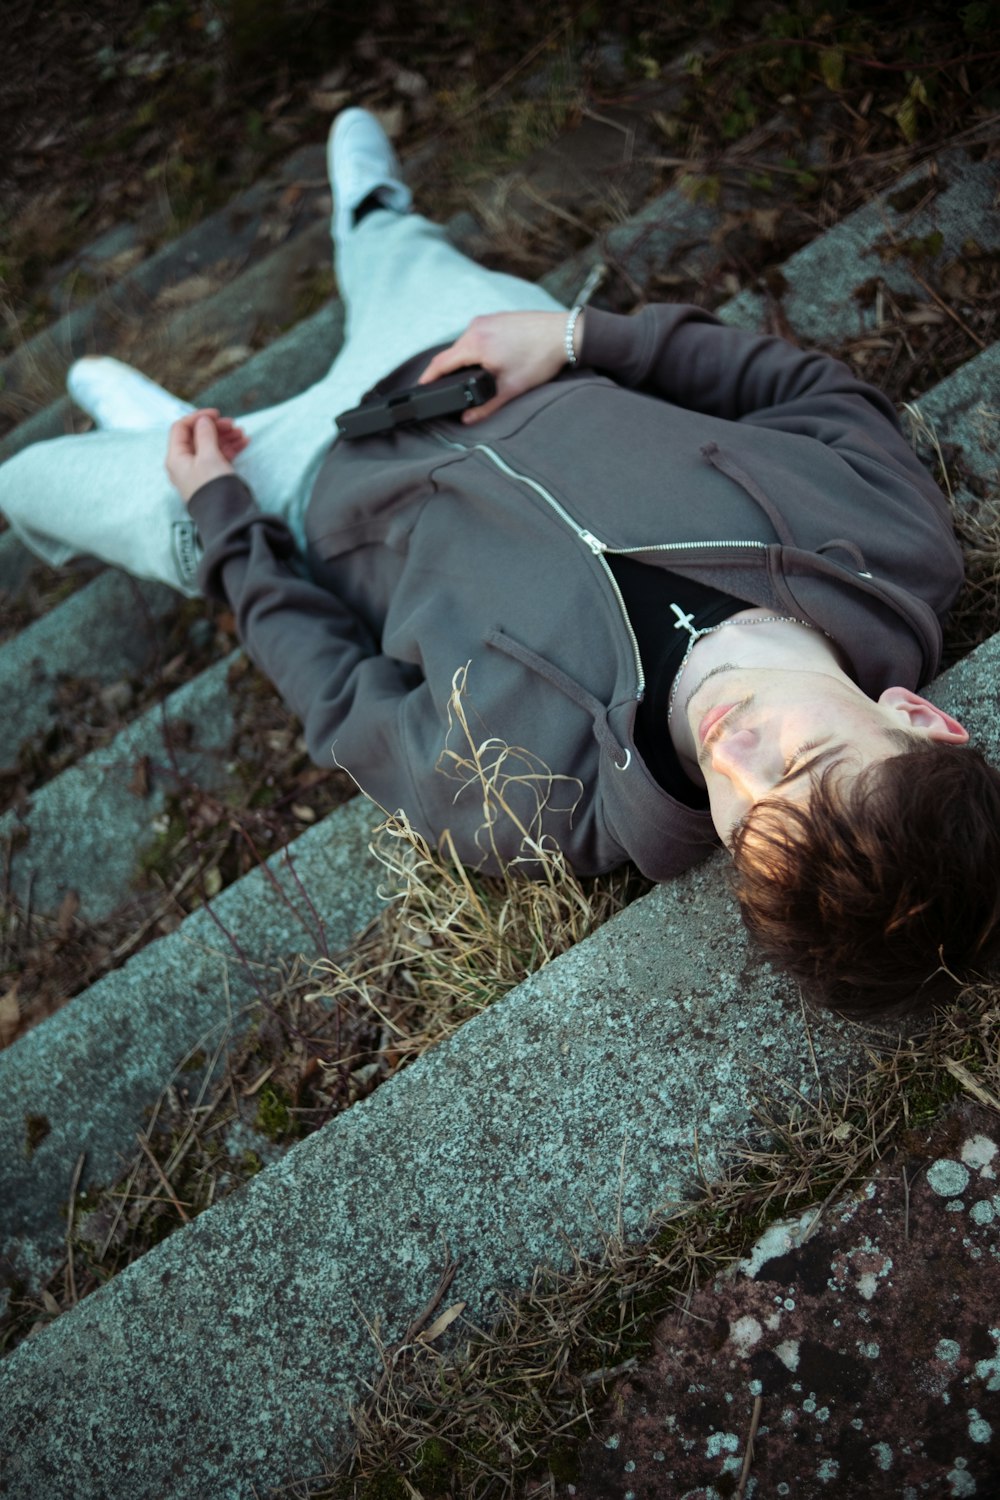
pixel 453 941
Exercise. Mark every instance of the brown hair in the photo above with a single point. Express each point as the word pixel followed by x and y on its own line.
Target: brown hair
pixel 882 894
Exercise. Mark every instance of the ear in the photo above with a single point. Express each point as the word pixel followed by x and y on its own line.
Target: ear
pixel 918 714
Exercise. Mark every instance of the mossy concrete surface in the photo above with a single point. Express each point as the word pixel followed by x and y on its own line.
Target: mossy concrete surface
pixel 239 234
pixel 93 1069
pixel 107 631
pixel 901 232
pixel 867 1340
pixel 965 409
pixel 229 1355
pixel 87 828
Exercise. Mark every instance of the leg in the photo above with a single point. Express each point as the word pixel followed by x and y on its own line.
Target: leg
pixel 106 495
pixel 405 288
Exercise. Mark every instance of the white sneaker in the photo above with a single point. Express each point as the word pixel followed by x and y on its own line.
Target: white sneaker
pixel 361 161
pixel 118 397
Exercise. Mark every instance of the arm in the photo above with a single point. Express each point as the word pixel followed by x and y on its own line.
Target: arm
pixel 677 352
pixel 685 355
pixel 301 636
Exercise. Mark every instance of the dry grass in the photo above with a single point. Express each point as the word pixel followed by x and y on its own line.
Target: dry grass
pixel 454 941
pixel 975 508
pixel 500 1415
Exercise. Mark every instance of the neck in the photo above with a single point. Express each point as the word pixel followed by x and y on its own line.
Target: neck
pixel 779 645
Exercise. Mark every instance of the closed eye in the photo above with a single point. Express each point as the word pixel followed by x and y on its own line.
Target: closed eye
pixel 798 754
pixel 798 767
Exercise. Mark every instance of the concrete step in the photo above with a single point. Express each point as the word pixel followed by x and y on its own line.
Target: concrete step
pixel 186 272
pixel 830 290
pixel 86 829
pixel 232 1351
pixel 106 631
pixel 94 1068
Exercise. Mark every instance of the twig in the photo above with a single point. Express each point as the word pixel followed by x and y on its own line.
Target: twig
pixel 162 1176
pixel 610 1372
pixel 502 82
pixel 854 57
pixel 962 1075
pixel 758 1402
pixel 70 1214
pixel 419 1322
pixel 906 1206
pixel 945 308
pixel 627 130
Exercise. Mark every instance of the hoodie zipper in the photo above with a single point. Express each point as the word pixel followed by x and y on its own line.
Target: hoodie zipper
pixel 600 549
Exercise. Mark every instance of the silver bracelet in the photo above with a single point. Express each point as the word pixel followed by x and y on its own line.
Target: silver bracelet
pixel 571 358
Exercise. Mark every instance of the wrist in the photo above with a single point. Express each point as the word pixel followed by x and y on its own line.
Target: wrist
pixel 573 336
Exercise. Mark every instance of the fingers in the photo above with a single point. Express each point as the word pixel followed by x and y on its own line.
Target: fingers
pixel 480 413
pixel 205 428
pixel 463 352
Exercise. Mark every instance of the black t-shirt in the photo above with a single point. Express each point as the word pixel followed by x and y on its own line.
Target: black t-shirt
pixel 648 593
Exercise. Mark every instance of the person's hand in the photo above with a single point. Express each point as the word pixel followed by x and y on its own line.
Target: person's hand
pixel 520 349
pixel 201 447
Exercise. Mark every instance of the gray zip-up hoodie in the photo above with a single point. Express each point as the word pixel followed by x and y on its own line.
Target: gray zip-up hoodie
pixel 769 473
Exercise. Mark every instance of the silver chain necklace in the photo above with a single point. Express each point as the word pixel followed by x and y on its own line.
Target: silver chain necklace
pixel 686 622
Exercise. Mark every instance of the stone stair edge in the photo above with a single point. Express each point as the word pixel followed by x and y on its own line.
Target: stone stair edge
pixel 93 1067
pixel 86 828
pixel 357 1221
pixel 822 278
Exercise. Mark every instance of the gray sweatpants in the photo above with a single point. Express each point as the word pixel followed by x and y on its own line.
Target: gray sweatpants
pixel 107 495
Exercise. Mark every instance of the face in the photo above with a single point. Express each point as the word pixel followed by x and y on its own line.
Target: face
pixel 768 732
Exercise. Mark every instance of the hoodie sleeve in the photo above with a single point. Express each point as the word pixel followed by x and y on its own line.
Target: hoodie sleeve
pixel 685 355
pixel 320 656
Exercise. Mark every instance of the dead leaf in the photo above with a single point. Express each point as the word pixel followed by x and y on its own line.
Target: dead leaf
pixel 413 85
pixel 223 360
pixel 443 1321
pixel 391 120
pixel 10 1016
pixel 119 264
pixel 920 315
pixel 213 881
pixel 765 221
pixel 139 785
pixel 303 813
pixel 184 293
pixel 50 1303
pixel 329 101
pixel 68 908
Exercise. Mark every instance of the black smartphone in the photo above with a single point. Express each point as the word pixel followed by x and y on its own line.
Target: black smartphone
pixel 419 403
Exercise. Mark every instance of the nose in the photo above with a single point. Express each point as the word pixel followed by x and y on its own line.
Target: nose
pixel 737 757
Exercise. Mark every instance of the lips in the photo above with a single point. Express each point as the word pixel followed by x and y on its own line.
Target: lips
pixel 711 719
